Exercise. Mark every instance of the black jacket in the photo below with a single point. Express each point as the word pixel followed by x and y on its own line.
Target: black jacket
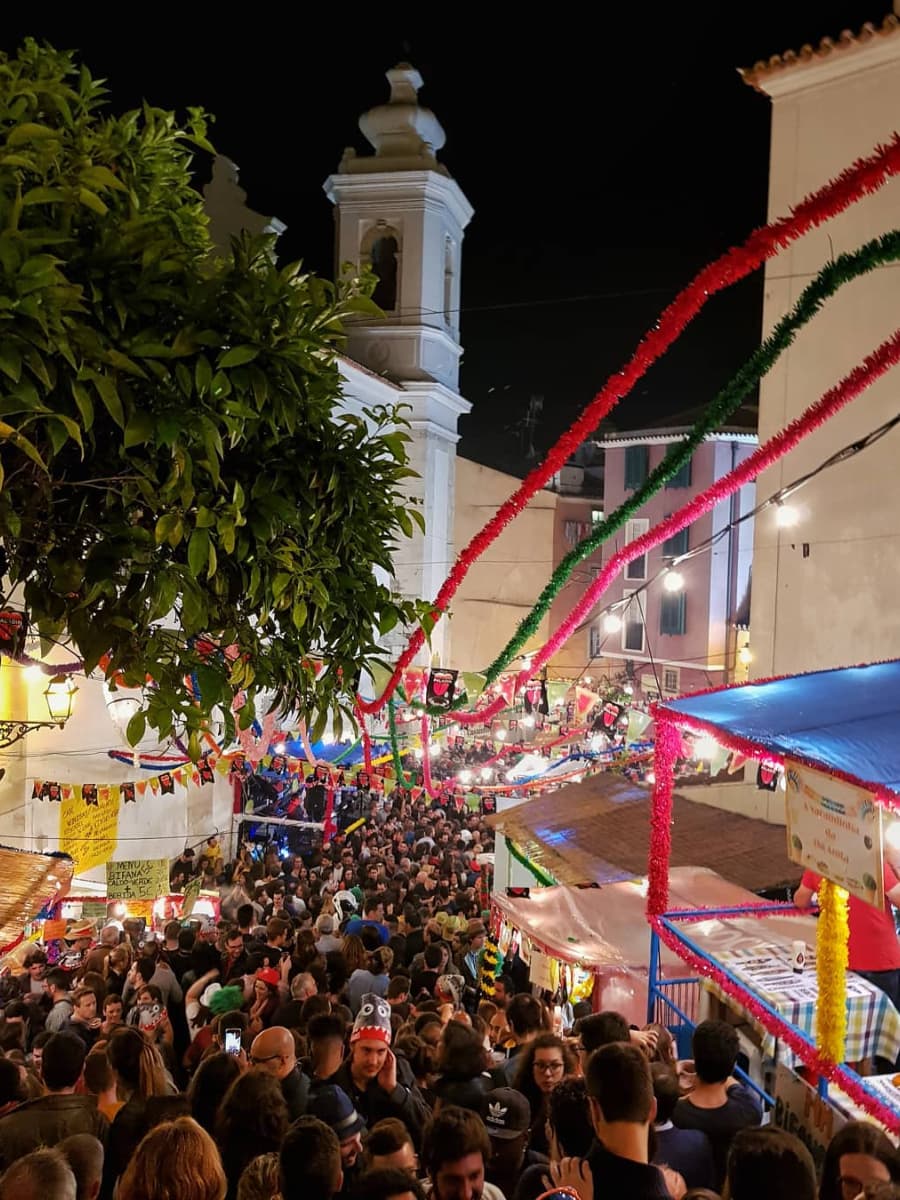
pixel 405 1102
pixel 47 1121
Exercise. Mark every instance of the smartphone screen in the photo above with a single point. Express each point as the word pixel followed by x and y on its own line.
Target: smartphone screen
pixel 232 1041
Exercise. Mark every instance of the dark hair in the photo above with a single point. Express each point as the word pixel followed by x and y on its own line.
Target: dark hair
pixel 211 1081
pixel 372 901
pixel 57 977
pixel 146 968
pixel 325 1025
pixel 451 1135
pixel 715 1047
pixel 387 1137
pixel 618 1078
pixel 508 986
pixel 172 930
pixel 570 1115
pixel 98 1074
pixel 772 1163
pixel 387 1182
pixel 186 939
pixel 461 1053
pixel 63 1061
pixel 857 1137
pixel 313 1006
pixel 524 1014
pixel 12 1090
pixel 665 1089
pixel 523 1075
pixel 252 1120
pixel 244 914
pixel 309 1161
pixel 432 955
pixel 399 986
pixel 602 1029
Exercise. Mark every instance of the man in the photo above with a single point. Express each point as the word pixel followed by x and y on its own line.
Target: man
pixel 79 938
pixel 686 1151
pixel 234 960
pixel 570 1133
pixel 112 1014
pixel 388 1183
pixel 182 868
pixel 46 1121
pixel 326 941
pixel 605 1028
pixel 872 949
pixel 503 992
pixel 42 1175
pixel 289 1012
pixel 84 1020
pixel 309 1163
pixel 277 930
pixel 326 1046
pixel 455 1152
pixel 334 1107
pixel 718 1105
pixel 275 1052
pixel 213 854
pixel 30 985
pixel 468 961
pixel 389 1146
pixel 56 985
pixel 373 916
pixel 84 1155
pixel 507 1118
pixel 379 1084
pixel 525 1021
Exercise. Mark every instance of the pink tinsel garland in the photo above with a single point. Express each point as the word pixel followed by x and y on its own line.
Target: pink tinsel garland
pixel 864 177
pixel 668 745
pixel 366 739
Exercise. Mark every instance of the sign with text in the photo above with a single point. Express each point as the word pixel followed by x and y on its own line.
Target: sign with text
pixel 137 879
pixel 834 829
pixel 89 833
pixel 800 1110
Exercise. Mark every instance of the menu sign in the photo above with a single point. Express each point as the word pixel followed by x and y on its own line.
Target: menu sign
pixel 834 829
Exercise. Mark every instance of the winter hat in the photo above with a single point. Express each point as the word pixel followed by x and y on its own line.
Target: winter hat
pixel 269 975
pixel 373 1022
pixel 332 1105
pixel 449 988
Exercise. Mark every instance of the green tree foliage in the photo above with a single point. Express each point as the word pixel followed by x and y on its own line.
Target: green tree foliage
pixel 168 436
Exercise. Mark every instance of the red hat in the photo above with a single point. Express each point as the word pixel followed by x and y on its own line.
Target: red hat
pixel 269 975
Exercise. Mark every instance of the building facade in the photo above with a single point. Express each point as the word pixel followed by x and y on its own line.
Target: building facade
pixel 673 642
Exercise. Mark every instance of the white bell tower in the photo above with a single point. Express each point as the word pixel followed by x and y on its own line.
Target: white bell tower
pixel 399 213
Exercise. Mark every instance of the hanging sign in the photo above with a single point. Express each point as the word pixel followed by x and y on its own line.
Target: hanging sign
pixel 540 971
pixel 834 829
pixel 137 879
pixel 89 832
pixel 801 1111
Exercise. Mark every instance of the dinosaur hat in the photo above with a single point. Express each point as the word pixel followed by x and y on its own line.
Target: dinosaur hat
pixel 373 1021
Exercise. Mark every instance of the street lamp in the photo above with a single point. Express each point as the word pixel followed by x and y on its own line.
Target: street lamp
pixel 59 695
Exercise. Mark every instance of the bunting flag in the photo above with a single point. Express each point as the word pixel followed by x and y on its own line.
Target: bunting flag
pixel 637 723
pixel 441 687
pixel 556 691
pixel 473 684
pixel 535 697
pixel 585 701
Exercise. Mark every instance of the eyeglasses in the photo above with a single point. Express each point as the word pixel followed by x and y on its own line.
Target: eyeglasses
pixel 548 1068
pixel 258 1062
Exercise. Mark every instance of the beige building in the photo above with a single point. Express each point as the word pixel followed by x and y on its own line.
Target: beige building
pixel 825 590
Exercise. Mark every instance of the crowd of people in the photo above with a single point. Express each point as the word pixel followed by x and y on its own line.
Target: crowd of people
pixel 331 1036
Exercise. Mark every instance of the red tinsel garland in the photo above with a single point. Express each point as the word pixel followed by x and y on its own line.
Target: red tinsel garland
pixel 668 746
pixel 366 739
pixel 863 178
pixel 846 1080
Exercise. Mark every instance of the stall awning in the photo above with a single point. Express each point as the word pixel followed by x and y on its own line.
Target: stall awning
pixel 598 832
pixel 846 720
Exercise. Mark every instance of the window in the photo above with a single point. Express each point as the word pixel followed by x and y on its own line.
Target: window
pixel 574 531
pixel 671 613
pixel 595 645
pixel 676 545
pixel 383 257
pixel 596 516
pixel 633 626
pixel 636 570
pixel 682 478
pixel 671 684
pixel 637 464
pixel 448 282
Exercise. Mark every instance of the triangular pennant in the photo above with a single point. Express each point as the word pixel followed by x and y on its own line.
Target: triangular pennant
pixel 67 791
pixel 556 691
pixel 154 784
pixel 637 724
pixel 474 684
pixel 142 787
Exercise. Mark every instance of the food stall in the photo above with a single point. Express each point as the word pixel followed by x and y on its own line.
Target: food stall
pixel 829 740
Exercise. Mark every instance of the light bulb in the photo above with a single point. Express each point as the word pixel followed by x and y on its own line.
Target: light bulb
pixel 673 581
pixel 465 777
pixel 486 773
pixel 705 747
pixel 434 749
pixel 587 679
pixel 528 722
pixel 785 516
pixel 745 658
pixel 500 734
pixel 34 672
pixel 280 748
pixel 612 623
pixel 628 689
pixel 650 777
pixel 418 753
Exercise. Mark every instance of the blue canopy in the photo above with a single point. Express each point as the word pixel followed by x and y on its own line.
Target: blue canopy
pixel 845 720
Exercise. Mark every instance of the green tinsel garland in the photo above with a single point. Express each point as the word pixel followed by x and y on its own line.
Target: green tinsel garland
pixel 832 277
pixel 542 876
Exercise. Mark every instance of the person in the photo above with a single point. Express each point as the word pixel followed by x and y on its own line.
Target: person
pixel 210 1082
pixel 570 1134
pixel 469 959
pixel 309 1162
pixel 769 1163
pixel 326 941
pixel 56 985
pixel 372 918
pixel 508 1118
pixel 504 989
pixel 455 1153
pixel 46 1121
pixel 252 1120
pixel 540 1068
pixel 84 1154
pixel 175 1161
pixel 100 1082
pixel 857 1155
pixel 113 1010
pixel 687 1151
pixel 526 1020
pixel 274 1051
pixel 259 1180
pixel 388 1184
pixel 84 1020
pixel 140 1076
pixel 873 950
pixel 719 1106
pixel 325 1036
pixel 389 1145
pixel 375 978
pixel 378 1082
pixel 182 868
pixel 40 1175
pixel 290 1012
pixel 334 1107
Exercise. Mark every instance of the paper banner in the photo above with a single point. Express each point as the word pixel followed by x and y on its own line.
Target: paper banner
pixel 473 684
pixel 585 701
pixel 637 723
pixel 89 833
pixel 191 895
pixel 556 691
pixel 53 929
pixel 137 879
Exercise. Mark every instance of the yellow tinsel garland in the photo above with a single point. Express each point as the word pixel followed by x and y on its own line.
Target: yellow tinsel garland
pixel 831 971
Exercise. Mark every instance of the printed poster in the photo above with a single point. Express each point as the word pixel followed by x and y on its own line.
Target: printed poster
pixel 89 833
pixel 834 829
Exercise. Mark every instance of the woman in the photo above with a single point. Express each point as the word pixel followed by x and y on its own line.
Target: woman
pixel 253 1120
pixel 374 979
pixel 772 1163
pixel 213 1078
pixel 857 1155
pixel 266 999
pixel 462 1063
pixel 118 964
pixel 176 1161
pixel 545 1061
pixel 140 1075
pixel 260 1179
pixel 354 953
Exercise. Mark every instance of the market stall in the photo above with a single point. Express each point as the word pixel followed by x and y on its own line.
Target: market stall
pixel 829 740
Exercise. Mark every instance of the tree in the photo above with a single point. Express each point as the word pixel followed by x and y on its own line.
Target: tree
pixel 179 498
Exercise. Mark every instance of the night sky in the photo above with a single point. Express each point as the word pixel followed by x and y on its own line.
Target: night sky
pixel 606 163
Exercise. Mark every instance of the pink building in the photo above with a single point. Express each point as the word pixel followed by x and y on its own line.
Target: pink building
pixel 684 640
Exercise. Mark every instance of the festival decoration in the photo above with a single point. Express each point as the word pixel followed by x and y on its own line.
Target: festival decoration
pixel 668 744
pixel 832 935
pixel 441 688
pixel 862 178
pixel 489 968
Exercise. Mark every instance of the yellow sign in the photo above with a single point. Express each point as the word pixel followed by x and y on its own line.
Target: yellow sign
pixel 137 879
pixel 89 832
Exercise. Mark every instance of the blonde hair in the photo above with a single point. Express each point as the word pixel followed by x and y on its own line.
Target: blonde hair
pixel 259 1179
pixel 177 1158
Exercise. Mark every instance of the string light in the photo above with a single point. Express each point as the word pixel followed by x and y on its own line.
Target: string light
pixel 673 581
pixel 612 623
pixel 628 689
pixel 465 777
pixel 500 734
pixel 745 657
pixel 785 515
pixel 419 754
pixel 434 749
pixel 528 722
